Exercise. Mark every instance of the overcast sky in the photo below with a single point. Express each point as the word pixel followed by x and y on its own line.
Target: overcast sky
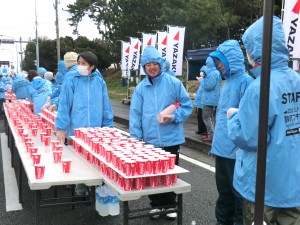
pixel 17 19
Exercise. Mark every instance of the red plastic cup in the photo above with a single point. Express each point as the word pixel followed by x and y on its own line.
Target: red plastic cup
pixel 156 165
pixel 27 139
pixel 172 160
pixel 57 156
pixel 39 171
pixel 167 180
pixel 42 134
pixel 128 184
pixel 48 131
pixel 28 144
pixel 32 150
pixel 34 131
pixel 24 136
pixel 139 183
pixel 140 166
pixel 36 158
pixel 58 147
pixel 47 140
pixel 174 178
pixel 77 133
pixel 66 165
pixel 164 163
pixel 149 166
pixel 108 155
pixel 129 167
pixel 153 181
pixel 20 131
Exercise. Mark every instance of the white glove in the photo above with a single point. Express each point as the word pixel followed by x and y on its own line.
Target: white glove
pixel 165 119
pixel 61 135
pixel 230 111
pixel 46 106
pixel 53 108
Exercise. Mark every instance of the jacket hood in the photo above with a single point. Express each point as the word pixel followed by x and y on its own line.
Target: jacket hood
pixel 231 55
pixel 167 65
pixel 253 38
pixel 59 77
pixel 151 54
pixel 62 67
pixel 38 82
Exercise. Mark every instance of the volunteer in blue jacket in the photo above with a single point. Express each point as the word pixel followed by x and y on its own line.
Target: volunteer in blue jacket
pixel 282 191
pixel 19 86
pixel 167 68
pixel 151 96
pixel 3 89
pixel 210 84
pixel 197 103
pixel 83 101
pixel 229 59
pixel 38 90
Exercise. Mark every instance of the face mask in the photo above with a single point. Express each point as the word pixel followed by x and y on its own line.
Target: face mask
pixel 250 60
pixel 83 70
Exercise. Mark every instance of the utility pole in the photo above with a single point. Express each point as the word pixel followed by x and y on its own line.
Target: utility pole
pixel 57 31
pixel 37 40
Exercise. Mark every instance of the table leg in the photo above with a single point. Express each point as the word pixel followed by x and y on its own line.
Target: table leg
pixel 126 212
pixel 13 150
pixel 92 196
pixel 37 206
pixel 20 179
pixel 179 219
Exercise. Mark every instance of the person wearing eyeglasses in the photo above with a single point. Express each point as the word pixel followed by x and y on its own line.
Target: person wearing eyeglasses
pixel 229 60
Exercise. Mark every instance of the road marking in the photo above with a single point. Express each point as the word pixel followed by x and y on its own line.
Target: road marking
pixel 10 181
pixel 186 158
pixel 198 163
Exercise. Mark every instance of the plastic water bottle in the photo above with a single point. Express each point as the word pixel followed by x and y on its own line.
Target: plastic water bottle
pixel 97 196
pixel 167 111
pixel 114 203
pixel 193 222
pixel 103 202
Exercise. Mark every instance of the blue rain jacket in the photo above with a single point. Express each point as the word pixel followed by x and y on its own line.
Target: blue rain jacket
pixel 237 81
pixel 38 90
pixel 210 84
pixel 3 89
pixel 168 70
pixel 197 102
pixel 149 99
pixel 283 153
pixel 83 102
pixel 70 73
pixel 19 87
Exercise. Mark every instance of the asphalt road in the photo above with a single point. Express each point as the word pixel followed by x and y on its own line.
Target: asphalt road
pixel 198 205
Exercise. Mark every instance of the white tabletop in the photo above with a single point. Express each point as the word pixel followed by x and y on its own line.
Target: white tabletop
pixel 81 171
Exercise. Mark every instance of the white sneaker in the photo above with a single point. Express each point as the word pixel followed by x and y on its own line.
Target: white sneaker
pixel 155 211
pixel 171 216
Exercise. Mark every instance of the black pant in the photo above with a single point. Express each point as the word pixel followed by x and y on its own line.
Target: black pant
pixel 229 206
pixel 201 125
pixel 169 198
pixel 2 114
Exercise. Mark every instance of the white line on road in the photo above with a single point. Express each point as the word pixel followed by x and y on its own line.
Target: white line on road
pixel 198 163
pixel 10 181
pixel 186 158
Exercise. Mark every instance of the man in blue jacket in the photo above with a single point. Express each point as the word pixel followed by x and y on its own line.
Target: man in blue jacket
pixel 230 61
pixel 282 191
pixel 3 89
pixel 19 86
pixel 152 95
pixel 210 84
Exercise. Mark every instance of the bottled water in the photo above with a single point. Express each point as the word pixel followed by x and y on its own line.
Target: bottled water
pixel 97 196
pixel 193 222
pixel 103 202
pixel 114 203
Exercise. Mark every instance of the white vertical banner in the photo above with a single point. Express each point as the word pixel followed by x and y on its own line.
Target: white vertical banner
pixel 175 48
pixel 291 26
pixel 125 50
pixel 147 40
pixel 134 56
pixel 162 42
